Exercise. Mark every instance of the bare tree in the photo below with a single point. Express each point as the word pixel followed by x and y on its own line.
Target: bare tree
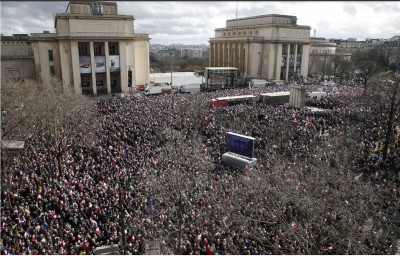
pixel 55 116
pixel 385 103
pixel 340 67
pixel 365 71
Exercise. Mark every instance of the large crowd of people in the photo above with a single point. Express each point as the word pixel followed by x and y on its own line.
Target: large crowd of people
pixel 155 167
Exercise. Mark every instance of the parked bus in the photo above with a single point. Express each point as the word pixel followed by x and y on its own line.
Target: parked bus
pixel 233 100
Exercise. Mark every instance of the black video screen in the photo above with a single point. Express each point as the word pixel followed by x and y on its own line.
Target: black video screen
pixel 239 144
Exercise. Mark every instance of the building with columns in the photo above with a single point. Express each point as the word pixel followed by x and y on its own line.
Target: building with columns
pixel 272 47
pixel 322 53
pixel 94 50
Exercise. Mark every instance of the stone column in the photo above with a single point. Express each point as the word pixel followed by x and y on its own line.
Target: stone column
pixel 248 59
pixel 215 57
pixel 76 71
pixel 295 57
pixel 108 80
pixel 240 53
pixel 278 62
pixel 221 55
pixel 305 52
pixel 228 54
pixel 93 65
pixel 287 62
pixel 211 55
pixel 224 54
pixel 65 63
pixel 123 67
pixel 235 63
pixel 231 54
pixel 217 54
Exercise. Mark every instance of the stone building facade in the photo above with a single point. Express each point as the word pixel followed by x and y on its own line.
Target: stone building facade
pixel 94 50
pixel 322 53
pixel 272 47
pixel 17 56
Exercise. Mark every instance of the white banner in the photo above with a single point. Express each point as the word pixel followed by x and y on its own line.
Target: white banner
pixel 84 62
pixel 114 63
pixel 100 64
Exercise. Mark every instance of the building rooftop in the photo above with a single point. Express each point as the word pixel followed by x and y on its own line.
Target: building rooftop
pixel 267 19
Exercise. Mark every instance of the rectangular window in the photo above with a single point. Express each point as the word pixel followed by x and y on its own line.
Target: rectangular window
pixel 51 58
pixel 83 50
pixel 256 32
pixel 111 49
pixel 97 50
pixel 229 33
pixel 52 70
pixel 245 33
pixel 251 32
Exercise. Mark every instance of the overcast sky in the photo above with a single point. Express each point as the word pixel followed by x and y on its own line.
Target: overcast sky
pixel 193 22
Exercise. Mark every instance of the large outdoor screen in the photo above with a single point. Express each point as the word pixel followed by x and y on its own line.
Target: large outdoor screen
pixel 239 144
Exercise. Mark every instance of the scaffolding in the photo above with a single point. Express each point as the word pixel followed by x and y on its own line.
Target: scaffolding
pixel 217 78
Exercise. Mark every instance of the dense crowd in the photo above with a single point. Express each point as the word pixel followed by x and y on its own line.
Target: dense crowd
pixel 136 169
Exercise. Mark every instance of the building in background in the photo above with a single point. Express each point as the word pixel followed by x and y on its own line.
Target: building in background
pixel 272 47
pixel 191 52
pixel 17 56
pixel 94 50
pixel 322 52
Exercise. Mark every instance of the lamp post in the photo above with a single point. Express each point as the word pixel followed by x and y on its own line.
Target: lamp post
pixel 172 54
pixel 259 65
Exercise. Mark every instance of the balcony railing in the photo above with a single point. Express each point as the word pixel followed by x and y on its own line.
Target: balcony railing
pixel 101 89
pixel 86 90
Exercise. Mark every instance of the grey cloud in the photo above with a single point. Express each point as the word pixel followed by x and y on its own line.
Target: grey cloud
pixel 178 21
pixel 382 6
pixel 29 17
pixel 349 8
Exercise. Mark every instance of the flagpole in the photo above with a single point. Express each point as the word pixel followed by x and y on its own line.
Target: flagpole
pixel 237 2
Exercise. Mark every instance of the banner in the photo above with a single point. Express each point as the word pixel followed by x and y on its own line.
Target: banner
pixel 114 63
pixel 298 60
pixel 283 60
pixel 100 64
pixel 84 62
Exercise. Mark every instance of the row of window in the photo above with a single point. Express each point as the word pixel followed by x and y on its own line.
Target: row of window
pixel 240 33
pixel 83 49
pixel 14 43
pixel 322 51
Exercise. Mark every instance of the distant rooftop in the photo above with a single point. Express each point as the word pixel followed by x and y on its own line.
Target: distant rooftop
pixel 267 19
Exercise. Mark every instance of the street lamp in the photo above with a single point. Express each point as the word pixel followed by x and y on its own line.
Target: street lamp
pixel 259 65
pixel 172 54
